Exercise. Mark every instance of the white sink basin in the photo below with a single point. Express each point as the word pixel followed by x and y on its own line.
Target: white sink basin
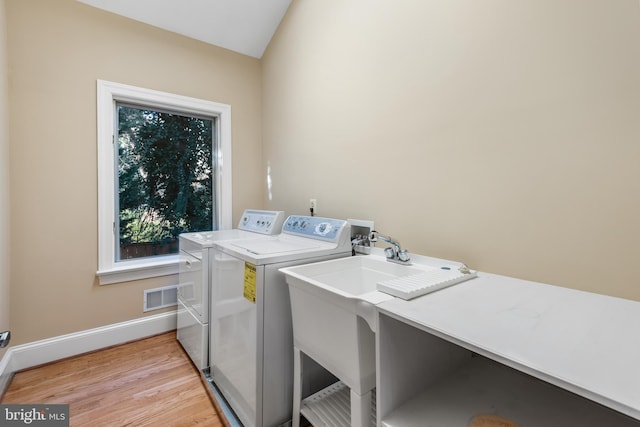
pixel 334 316
pixel 354 276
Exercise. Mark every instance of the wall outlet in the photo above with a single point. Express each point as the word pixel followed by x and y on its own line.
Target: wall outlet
pixel 313 204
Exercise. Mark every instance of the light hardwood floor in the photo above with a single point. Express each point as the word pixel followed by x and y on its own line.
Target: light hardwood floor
pixel 150 382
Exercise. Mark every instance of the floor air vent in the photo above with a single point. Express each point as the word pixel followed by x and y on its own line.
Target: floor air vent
pixel 160 297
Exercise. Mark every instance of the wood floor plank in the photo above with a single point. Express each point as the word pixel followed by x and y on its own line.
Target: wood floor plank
pixel 150 382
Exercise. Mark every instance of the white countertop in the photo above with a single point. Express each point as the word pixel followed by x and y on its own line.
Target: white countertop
pixel 586 343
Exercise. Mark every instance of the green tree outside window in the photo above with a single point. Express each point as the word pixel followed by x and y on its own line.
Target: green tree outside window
pixel 165 179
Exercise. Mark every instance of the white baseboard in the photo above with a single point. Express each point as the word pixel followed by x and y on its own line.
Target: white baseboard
pixel 36 353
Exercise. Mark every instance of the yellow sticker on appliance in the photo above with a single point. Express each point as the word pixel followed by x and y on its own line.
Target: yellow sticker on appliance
pixel 250 282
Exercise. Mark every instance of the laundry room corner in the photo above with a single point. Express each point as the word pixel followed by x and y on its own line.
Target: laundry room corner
pixel 56 52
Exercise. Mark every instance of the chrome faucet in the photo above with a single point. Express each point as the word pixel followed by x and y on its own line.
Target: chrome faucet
pixel 393 253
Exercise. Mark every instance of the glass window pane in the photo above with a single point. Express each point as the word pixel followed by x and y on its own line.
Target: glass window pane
pixel 165 170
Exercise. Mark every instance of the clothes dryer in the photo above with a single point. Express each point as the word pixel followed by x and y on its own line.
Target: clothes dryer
pixel 251 343
pixel 194 282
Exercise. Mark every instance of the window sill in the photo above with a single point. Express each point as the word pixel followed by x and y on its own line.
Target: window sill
pixel 127 271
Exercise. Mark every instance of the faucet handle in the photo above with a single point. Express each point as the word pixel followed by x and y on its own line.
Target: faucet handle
pixel 403 255
pixel 389 253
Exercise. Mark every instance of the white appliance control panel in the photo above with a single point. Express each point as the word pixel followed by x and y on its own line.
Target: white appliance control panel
pixel 265 222
pixel 315 227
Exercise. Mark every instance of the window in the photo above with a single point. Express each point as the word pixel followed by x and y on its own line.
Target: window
pixel 163 169
pixel 165 179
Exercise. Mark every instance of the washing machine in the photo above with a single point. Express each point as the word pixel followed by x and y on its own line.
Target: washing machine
pixel 251 344
pixel 194 281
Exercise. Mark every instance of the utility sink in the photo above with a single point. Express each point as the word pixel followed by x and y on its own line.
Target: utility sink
pixel 334 315
pixel 350 282
pixel 354 276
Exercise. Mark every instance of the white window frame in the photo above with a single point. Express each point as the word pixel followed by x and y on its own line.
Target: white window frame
pixel 110 270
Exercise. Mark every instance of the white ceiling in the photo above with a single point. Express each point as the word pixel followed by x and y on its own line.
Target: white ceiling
pixel 244 26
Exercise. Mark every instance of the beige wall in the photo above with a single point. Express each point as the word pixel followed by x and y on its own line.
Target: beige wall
pixel 506 132
pixel 503 134
pixel 4 182
pixel 56 51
